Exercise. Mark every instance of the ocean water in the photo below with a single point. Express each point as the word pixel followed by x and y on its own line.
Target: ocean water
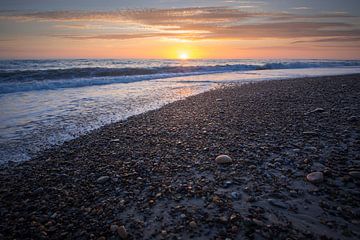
pixel 46 102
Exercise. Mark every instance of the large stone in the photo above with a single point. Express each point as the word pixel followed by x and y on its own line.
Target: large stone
pixel 223 159
pixel 315 177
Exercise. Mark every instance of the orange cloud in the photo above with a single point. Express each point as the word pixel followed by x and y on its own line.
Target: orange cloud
pixel 203 26
pixel 205 23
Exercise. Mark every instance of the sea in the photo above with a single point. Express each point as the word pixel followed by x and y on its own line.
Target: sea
pixel 44 103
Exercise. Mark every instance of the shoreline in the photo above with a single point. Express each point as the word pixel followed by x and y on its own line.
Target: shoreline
pixel 155 174
pixel 26 140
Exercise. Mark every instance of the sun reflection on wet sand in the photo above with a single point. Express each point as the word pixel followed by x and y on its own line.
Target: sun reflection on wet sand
pixel 185 92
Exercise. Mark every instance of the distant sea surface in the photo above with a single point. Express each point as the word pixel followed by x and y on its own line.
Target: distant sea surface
pixel 46 102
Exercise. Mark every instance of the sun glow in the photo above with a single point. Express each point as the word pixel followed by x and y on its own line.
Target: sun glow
pixel 184 56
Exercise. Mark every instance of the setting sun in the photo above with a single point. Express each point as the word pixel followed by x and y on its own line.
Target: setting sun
pixel 184 56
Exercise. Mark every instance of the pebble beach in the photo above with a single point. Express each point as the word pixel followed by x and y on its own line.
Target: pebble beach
pixel 268 160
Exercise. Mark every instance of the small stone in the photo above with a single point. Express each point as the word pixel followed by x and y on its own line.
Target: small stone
pixel 223 219
pixel 219 99
pixel 103 179
pixel 354 174
pixel 312 149
pixel 223 159
pixel 39 190
pixel 216 199
pixel 252 167
pixel 227 184
pixel 316 110
pixel 315 177
pixel 233 217
pixel 193 224
pixel 235 195
pixel 122 232
pixel 113 228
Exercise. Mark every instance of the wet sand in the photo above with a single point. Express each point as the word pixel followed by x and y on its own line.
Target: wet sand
pixel 154 176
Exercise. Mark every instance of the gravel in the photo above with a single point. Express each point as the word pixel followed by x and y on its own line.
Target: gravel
pixel 154 176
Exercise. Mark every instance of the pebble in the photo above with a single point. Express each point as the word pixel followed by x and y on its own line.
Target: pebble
pixel 354 174
pixel 223 159
pixel 313 149
pixel 122 232
pixel 39 190
pixel 114 228
pixel 316 110
pixel 103 179
pixel 251 167
pixel 192 199
pixel 235 195
pixel 223 219
pixel 227 184
pixel 193 224
pixel 315 177
pixel 352 119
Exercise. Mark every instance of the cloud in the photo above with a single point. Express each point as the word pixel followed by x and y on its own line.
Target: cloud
pixel 331 40
pixel 199 23
pixel 203 14
pixel 126 36
pixel 301 8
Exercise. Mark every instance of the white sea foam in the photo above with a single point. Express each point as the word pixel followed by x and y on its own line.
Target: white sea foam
pixel 74 73
pixel 33 120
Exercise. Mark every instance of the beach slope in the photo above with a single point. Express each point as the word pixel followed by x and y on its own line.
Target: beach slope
pixel 155 175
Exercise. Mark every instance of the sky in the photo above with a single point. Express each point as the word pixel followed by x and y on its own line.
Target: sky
pixel 321 29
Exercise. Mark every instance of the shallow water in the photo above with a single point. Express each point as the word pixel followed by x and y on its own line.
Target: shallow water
pixel 31 121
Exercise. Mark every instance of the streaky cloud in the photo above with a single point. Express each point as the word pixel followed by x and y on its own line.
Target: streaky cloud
pixel 200 23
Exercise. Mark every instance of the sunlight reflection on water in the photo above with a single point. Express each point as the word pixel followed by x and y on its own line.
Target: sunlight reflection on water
pixel 35 120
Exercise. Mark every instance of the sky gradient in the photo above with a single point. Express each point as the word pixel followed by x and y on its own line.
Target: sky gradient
pixel 174 28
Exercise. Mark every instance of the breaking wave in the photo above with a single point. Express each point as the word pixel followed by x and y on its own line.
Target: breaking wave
pixel 17 80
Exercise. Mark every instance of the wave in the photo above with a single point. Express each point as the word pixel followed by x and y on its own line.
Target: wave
pixel 11 87
pixel 29 80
